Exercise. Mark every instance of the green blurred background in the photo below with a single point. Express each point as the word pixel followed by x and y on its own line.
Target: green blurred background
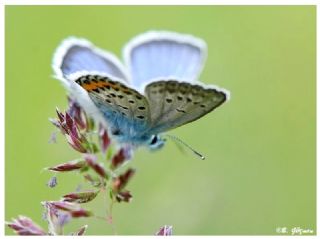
pixel 261 154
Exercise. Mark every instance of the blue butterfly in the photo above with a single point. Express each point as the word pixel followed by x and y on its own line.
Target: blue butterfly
pixel 155 90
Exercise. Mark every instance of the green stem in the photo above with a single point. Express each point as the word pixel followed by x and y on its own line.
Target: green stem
pixel 111 216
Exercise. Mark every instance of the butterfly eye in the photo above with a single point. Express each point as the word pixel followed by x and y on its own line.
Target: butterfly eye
pixel 154 140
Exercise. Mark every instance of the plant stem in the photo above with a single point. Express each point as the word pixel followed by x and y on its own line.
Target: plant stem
pixel 111 216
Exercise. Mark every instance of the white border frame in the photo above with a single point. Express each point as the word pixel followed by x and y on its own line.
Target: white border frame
pixel 138 2
pixel 158 2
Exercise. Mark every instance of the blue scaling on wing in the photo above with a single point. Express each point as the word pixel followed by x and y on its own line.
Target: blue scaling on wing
pixel 125 110
pixel 76 54
pixel 164 55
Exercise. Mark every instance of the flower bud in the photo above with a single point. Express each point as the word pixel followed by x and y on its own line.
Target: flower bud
pixel 69 166
pixel 124 196
pixel 121 181
pixel 98 168
pixel 74 209
pixel 103 139
pixel 118 159
pixel 80 197
pixel 24 226
pixel 165 231
pixel 81 231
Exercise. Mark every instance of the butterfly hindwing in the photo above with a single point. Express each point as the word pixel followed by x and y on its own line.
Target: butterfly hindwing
pixel 174 103
pixel 124 109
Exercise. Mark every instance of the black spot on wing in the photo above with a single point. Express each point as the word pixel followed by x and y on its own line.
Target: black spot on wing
pixel 181 111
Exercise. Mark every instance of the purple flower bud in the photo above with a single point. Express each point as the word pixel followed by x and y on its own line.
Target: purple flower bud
pixel 81 213
pixel 65 206
pixel 120 182
pixel 60 115
pixel 165 231
pixel 53 138
pixel 52 182
pixel 124 196
pixel 92 162
pixel 69 166
pixel 81 231
pixel 74 209
pixel 128 152
pixel 59 125
pixel 55 122
pixel 80 197
pixel 118 159
pixel 24 226
pixel 77 114
pixel 63 218
pixel 76 143
pixel 69 128
pixel 52 216
pixel 104 139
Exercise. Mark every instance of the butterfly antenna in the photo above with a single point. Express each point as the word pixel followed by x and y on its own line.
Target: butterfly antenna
pixel 176 139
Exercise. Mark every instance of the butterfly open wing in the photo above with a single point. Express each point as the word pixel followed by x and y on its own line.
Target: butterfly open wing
pixel 174 103
pixel 97 80
pixel 160 54
pixel 125 110
pixel 76 57
pixel 75 54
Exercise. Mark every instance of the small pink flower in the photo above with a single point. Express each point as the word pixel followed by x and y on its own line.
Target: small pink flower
pixel 56 219
pixel 98 168
pixel 165 231
pixel 52 182
pixel 80 197
pixel 124 196
pixel 69 127
pixel 78 114
pixel 103 139
pixel 81 231
pixel 121 181
pixel 69 166
pixel 24 226
pixel 81 213
pixel 118 158
pixel 74 209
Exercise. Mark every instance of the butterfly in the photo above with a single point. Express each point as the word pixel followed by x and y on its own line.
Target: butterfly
pixel 155 90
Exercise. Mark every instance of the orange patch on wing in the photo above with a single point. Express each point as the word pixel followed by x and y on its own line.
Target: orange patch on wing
pixel 94 85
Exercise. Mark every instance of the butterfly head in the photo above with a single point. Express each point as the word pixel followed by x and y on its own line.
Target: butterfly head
pixel 156 142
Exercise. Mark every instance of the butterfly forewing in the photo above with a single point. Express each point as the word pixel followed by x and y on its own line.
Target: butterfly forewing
pixel 174 103
pixel 124 108
pixel 164 54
